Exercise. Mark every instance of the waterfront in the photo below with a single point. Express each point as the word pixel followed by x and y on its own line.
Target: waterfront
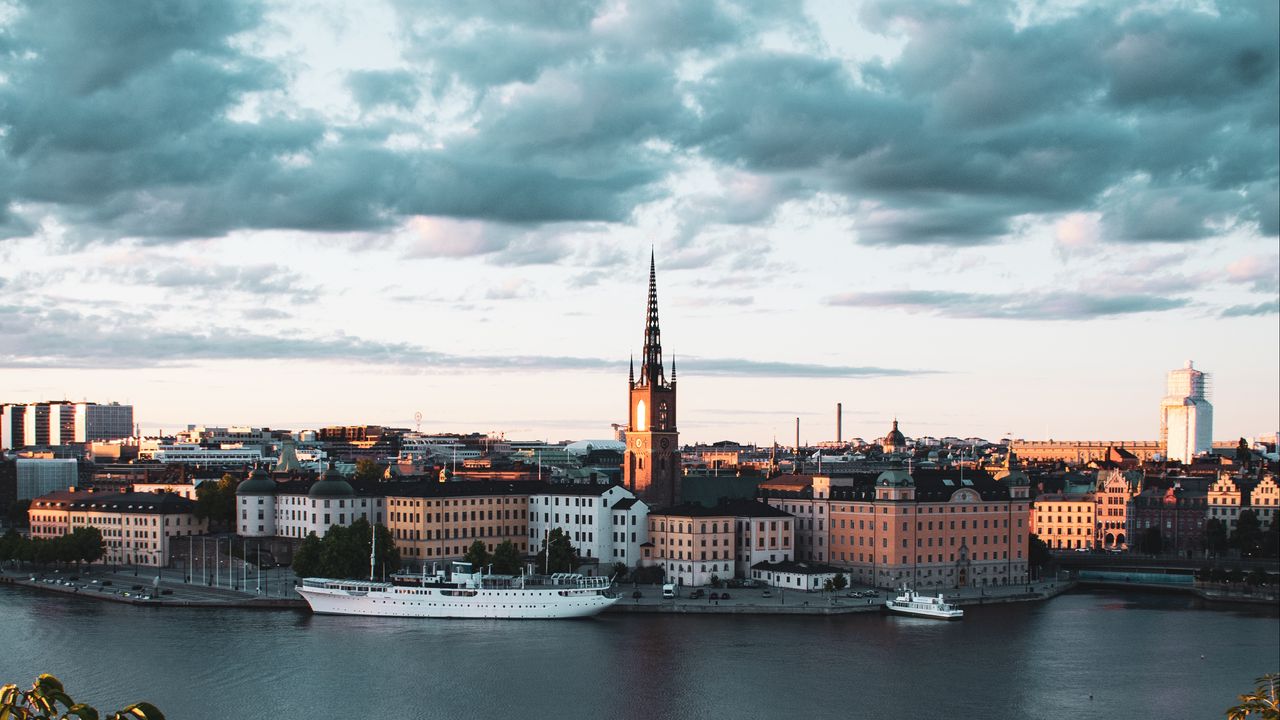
pixel 1138 655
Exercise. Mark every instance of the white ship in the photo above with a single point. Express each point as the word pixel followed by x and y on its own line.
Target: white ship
pixel 909 602
pixel 464 594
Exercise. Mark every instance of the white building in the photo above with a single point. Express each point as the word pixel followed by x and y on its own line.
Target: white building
pixel 795 575
pixel 295 509
pixel 39 476
pixel 606 523
pixel 191 454
pixel 1186 416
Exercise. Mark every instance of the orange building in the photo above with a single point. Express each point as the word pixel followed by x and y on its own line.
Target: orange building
pixel 433 522
pixel 929 529
pixel 1066 522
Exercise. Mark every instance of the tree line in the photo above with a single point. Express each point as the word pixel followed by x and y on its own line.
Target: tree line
pixel 83 544
pixel 343 552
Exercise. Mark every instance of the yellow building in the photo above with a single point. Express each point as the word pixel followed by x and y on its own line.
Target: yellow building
pixel 137 528
pixel 1066 521
pixel 691 543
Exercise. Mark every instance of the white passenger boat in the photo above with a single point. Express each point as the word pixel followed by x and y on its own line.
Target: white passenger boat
pixel 909 602
pixel 463 594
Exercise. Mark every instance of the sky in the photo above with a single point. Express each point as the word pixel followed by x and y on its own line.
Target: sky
pixel 987 219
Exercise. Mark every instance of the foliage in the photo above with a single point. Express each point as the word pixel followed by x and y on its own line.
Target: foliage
pixel 83 544
pixel 1248 535
pixel 46 694
pixel 1263 702
pixel 18 513
pixel 368 471
pixel 477 555
pixel 344 552
pixel 1038 554
pixel 1215 536
pixel 1243 455
pixel 840 581
pixel 216 501
pixel 506 558
pixel 619 571
pixel 563 557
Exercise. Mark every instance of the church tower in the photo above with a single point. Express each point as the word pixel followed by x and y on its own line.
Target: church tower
pixel 651 465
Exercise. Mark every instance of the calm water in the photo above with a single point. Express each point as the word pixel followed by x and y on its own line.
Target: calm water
pixel 1138 655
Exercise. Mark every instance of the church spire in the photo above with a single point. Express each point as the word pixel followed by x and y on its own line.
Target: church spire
pixel 651 365
pixel 631 374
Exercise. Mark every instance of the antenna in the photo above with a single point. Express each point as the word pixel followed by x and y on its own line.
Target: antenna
pixel 417 421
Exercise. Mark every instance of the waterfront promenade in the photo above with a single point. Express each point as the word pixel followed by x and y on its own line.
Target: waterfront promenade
pixel 122 585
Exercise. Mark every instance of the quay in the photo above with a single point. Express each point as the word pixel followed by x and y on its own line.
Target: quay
pixel 140 590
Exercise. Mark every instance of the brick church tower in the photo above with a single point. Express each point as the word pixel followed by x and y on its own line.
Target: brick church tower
pixel 651 465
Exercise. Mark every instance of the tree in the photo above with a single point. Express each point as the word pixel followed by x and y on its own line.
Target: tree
pixel 648 575
pixel 306 561
pixel 1038 554
pixel 506 558
pixel 46 694
pixel 1215 536
pixel 839 582
pixel 88 544
pixel 1244 456
pixel 477 555
pixel 1247 535
pixel 563 558
pixel 18 513
pixel 216 501
pixel 1263 702
pixel 368 471
pixel 1258 578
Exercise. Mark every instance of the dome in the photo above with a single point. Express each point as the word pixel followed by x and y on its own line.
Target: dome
pixel 899 478
pixel 895 438
pixel 259 483
pixel 331 484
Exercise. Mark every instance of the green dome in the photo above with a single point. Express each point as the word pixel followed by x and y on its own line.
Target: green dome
pixel 331 485
pixel 259 483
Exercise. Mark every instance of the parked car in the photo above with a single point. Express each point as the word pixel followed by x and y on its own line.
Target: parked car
pixel 166 592
pixel 766 594
pixel 855 594
pixel 698 594
pixel 714 596
pixel 724 596
pixel 106 582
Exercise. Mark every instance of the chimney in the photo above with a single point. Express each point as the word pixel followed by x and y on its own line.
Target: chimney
pixel 839 418
pixel 797 438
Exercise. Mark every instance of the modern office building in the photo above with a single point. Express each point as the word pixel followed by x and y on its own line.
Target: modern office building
pixel 40 476
pixel 1186 415
pixel 63 423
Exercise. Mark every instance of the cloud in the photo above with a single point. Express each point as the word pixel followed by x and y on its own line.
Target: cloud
pixel 260 279
pixel 1270 307
pixel 374 88
pixel 60 338
pixel 1260 272
pixel 1010 306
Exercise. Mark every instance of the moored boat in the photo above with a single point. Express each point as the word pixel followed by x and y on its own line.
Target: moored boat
pixel 463 594
pixel 909 602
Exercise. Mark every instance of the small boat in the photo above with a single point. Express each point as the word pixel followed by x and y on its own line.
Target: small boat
pixel 909 602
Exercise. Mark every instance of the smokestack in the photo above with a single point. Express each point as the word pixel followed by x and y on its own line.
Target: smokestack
pixel 839 418
pixel 797 438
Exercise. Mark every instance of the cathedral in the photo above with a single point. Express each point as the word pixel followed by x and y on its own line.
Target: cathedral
pixel 651 465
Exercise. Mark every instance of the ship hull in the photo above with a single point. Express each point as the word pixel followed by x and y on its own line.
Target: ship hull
pixel 503 604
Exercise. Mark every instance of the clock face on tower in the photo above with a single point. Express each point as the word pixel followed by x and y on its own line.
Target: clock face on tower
pixel 639 443
pixel 665 443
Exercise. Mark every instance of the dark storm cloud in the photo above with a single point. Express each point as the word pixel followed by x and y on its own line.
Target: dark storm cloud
pixel 1010 306
pixel 33 337
pixel 154 121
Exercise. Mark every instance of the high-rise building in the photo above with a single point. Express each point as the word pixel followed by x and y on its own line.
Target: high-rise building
pixel 1186 416
pixel 38 476
pixel 651 466
pixel 63 423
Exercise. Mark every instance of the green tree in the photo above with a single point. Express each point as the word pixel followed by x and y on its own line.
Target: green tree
pixel 840 582
pixel 562 556
pixel 306 560
pixel 618 571
pixel 46 694
pixel 368 471
pixel 506 558
pixel 648 575
pixel 216 501
pixel 1215 536
pixel 88 544
pixel 10 544
pixel 1248 534
pixel 1263 702
pixel 477 555
pixel 18 513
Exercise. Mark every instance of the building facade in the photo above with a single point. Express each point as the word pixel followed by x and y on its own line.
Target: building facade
pixel 929 529
pixel 651 464
pixel 137 528
pixel 438 522
pixel 63 423
pixel 606 523
pixel 1176 513
pixel 38 476
pixel 298 508
pixel 1066 522
pixel 691 543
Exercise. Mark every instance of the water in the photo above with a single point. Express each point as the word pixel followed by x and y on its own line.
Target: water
pixel 1137 655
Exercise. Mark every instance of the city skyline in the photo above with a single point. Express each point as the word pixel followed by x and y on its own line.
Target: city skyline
pixel 985 221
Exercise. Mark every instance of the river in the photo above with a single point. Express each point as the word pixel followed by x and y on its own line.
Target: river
pixel 1081 655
